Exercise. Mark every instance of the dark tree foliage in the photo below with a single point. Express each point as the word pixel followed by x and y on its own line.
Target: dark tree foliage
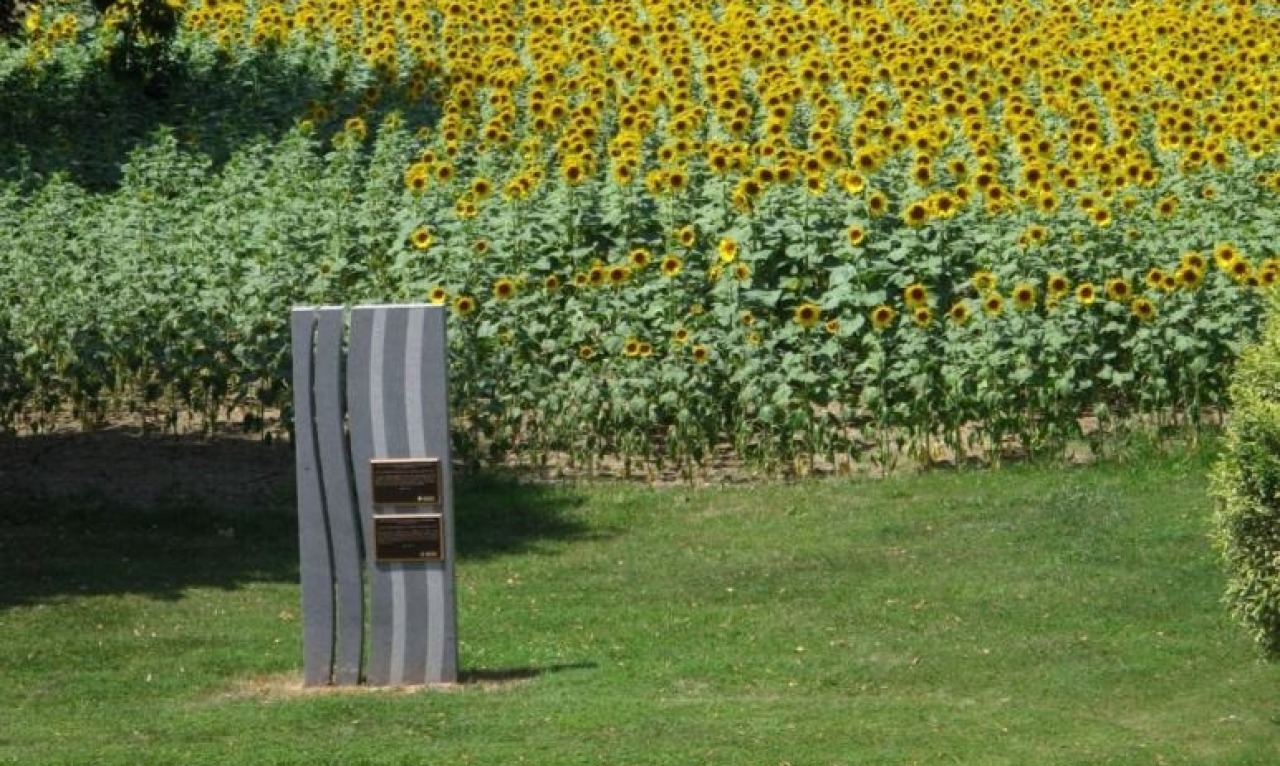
pixel 146 29
pixel 11 12
pixel 144 49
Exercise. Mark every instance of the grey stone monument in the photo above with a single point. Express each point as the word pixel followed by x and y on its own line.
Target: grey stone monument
pixel 375 495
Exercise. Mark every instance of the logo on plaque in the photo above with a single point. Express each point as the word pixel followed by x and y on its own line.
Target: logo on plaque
pixel 408 537
pixel 405 481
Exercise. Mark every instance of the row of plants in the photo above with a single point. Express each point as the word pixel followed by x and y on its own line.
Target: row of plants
pixel 173 292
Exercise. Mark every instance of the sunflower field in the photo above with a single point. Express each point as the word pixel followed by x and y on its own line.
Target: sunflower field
pixel 822 229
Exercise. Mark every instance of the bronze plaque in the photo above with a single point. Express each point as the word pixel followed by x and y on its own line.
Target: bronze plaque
pixel 405 481
pixel 408 537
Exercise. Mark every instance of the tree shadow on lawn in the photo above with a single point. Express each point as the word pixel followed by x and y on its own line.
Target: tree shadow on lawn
pixel 117 513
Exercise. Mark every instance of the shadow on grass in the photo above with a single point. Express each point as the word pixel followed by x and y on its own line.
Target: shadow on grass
pixel 84 545
pixel 487 676
pixel 117 513
pixel 500 515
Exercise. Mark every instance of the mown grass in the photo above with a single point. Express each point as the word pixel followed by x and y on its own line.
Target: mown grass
pixel 1034 615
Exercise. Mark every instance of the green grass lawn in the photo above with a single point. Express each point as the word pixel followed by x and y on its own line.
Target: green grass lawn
pixel 1034 615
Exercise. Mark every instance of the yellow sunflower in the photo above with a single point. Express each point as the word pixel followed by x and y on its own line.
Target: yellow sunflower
pixel 421 238
pixel 1143 309
pixel 916 214
pixel 671 266
pixel 1119 289
pixel 504 288
pixel 686 236
pixel 807 314
pixel 915 295
pixel 882 317
pixel 1058 284
pixel 1024 297
pixel 618 274
pixel 984 281
pixel 1086 293
pixel 727 249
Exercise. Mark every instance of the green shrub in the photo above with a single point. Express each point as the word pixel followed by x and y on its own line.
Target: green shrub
pixel 1246 486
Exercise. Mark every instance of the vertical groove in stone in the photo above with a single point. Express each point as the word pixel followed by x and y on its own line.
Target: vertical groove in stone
pixel 442 620
pixel 340 507
pixel 315 555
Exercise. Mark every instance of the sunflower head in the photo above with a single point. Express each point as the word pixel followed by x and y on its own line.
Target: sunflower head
pixel 1118 289
pixel 1086 293
pixel 807 314
pixel 504 289
pixel 618 274
pixel 984 281
pixel 916 214
pixel 852 182
pixel 882 317
pixel 727 249
pixel 671 265
pixel 573 171
pixel 1225 254
pixel 686 236
pixel 1143 309
pixel 1024 296
pixel 421 238
pixel 916 294
pixel 877 204
pixel 1194 260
